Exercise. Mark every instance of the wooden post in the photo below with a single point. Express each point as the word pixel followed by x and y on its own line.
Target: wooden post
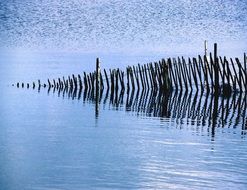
pixel 242 73
pixel 166 66
pixel 67 83
pixel 121 78
pixel 150 76
pixel 49 83
pixel 112 80
pixel 116 77
pixel 107 80
pixel 204 69
pixel 205 48
pixel 153 74
pixel 177 74
pixel 187 73
pixel 139 67
pixel 236 75
pixel 209 69
pixel 146 76
pixel 223 70
pixel 74 80
pixel 136 77
pixel 181 70
pixel 101 81
pixel 97 76
pixel 59 83
pixel 91 78
pixel 132 78
pixel 89 82
pixel 216 70
pixel 193 72
pixel 70 82
pixel 128 77
pixel 97 86
pixel 167 78
pixel 80 82
pixel 159 75
pixel 230 74
pixel 172 72
pixel 64 82
pixel 54 83
pixel 199 72
pixel 85 81
pixel 245 68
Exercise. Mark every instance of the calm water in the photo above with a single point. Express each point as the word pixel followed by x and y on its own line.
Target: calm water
pixel 55 140
pixel 58 140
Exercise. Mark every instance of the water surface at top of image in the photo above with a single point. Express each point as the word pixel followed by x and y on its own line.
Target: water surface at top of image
pixel 141 26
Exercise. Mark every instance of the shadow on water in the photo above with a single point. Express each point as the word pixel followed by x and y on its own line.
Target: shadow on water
pixel 199 108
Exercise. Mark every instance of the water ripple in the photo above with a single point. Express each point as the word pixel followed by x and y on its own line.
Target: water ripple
pixel 116 25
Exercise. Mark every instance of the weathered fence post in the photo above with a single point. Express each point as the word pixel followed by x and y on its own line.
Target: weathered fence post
pixel 245 68
pixel 216 70
pixel 107 81
pixel 97 75
pixel 205 48
pixel 97 87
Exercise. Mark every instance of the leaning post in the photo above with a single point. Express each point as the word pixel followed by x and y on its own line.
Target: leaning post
pixel 245 69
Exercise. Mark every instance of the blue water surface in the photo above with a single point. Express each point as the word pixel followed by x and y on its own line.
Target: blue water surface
pixel 57 141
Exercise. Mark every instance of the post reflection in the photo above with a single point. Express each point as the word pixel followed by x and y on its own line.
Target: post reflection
pixel 198 109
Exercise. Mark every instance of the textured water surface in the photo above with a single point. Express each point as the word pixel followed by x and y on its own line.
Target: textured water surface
pixel 123 26
pixel 51 139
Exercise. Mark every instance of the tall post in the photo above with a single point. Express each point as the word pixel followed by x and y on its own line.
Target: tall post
pixel 245 69
pixel 97 74
pixel 206 48
pixel 97 87
pixel 216 70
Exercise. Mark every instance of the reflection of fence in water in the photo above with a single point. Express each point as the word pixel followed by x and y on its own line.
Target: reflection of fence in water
pixel 202 109
pixel 172 88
